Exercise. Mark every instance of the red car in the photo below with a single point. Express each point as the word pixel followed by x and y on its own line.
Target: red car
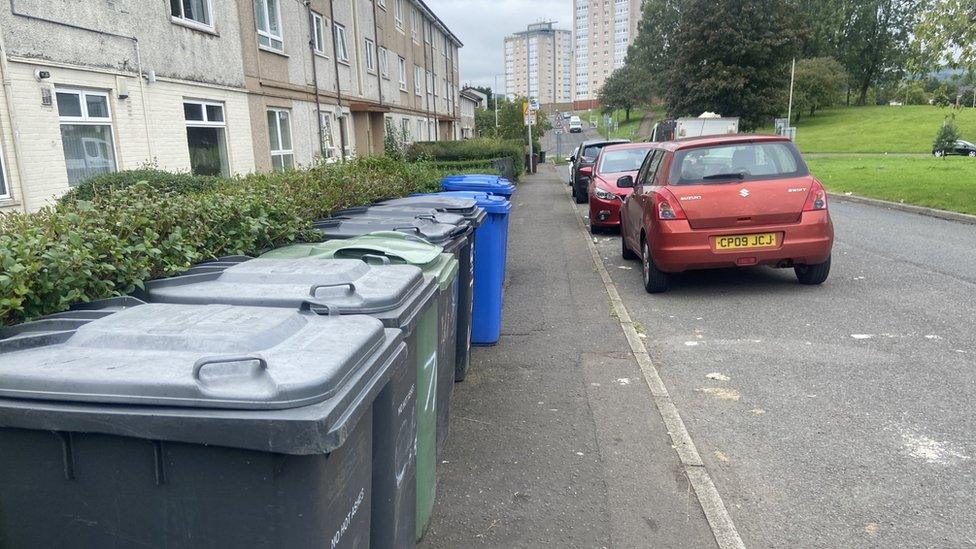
pixel 726 201
pixel 605 197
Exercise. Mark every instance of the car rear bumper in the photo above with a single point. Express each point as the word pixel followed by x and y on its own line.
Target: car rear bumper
pixel 604 213
pixel 677 247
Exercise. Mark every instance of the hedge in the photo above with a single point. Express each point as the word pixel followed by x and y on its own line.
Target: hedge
pixel 133 229
pixel 469 150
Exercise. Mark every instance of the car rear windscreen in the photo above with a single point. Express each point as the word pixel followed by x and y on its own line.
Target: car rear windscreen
pixel 626 160
pixel 737 162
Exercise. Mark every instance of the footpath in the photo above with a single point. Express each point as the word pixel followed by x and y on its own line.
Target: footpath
pixel 555 440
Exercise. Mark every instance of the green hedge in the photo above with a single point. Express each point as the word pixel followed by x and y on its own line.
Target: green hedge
pixel 92 187
pixel 133 230
pixel 469 150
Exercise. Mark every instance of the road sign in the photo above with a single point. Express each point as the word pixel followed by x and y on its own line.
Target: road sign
pixel 530 118
pixel 525 108
pixel 533 105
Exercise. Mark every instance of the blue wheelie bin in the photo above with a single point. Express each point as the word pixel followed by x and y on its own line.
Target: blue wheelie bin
pixel 491 184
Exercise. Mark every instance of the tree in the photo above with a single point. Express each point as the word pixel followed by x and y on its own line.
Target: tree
pixel 511 122
pixel 912 92
pixel 820 82
pixel 877 41
pixel 733 58
pixel 484 122
pixel 624 89
pixel 947 33
pixel 947 136
pixel 650 55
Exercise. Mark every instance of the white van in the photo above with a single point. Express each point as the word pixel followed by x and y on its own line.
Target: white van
pixel 575 124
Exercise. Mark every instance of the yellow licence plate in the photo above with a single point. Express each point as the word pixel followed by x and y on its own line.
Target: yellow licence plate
pixel 739 241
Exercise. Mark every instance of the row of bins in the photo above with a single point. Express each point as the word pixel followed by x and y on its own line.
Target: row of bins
pixel 297 399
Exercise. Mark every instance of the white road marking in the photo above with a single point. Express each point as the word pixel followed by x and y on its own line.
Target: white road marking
pixel 930 450
pixel 717 515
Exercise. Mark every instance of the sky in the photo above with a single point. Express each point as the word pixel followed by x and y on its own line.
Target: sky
pixel 482 26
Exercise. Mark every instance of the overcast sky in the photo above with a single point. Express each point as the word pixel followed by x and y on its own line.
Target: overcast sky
pixel 483 24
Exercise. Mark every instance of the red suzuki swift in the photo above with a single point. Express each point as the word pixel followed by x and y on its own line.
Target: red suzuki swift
pixel 726 201
pixel 605 197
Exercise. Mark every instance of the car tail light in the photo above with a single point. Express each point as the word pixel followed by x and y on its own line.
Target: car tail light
pixel 817 199
pixel 668 207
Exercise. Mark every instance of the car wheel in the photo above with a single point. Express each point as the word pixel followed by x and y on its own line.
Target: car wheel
pixel 937 153
pixel 813 274
pixel 655 281
pixel 594 229
pixel 972 154
pixel 624 250
pixel 579 195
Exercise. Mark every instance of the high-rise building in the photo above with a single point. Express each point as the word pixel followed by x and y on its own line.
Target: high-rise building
pixel 602 31
pixel 538 64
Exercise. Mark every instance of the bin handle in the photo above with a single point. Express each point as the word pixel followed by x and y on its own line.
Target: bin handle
pixel 430 217
pixel 206 361
pixel 384 260
pixel 413 228
pixel 317 287
pixel 314 306
pixel 458 231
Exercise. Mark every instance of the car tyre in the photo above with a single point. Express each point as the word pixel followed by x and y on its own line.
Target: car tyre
pixel 624 250
pixel 595 230
pixel 580 196
pixel 972 154
pixel 937 153
pixel 813 274
pixel 655 281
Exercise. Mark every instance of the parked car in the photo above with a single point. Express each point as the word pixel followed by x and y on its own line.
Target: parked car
pixel 567 115
pixel 725 201
pixel 964 148
pixel 575 124
pixel 584 156
pixel 605 197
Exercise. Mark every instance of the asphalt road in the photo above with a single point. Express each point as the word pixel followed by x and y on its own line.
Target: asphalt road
pixel 849 411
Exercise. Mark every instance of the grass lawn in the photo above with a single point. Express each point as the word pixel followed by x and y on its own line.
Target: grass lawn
pixel 878 129
pixel 626 129
pixel 946 184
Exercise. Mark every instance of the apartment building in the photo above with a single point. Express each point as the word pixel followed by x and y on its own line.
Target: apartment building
pixel 602 32
pixel 217 87
pixel 538 63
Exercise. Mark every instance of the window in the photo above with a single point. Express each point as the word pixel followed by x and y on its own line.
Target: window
pixel 279 136
pixel 735 163
pixel 196 12
pixel 318 33
pixel 413 24
pixel 402 65
pixel 370 52
pixel 267 13
pixel 625 160
pixel 398 13
pixel 420 130
pixel 206 137
pixel 86 133
pixel 328 139
pixel 4 191
pixel 384 62
pixel 405 128
pixel 418 78
pixel 342 52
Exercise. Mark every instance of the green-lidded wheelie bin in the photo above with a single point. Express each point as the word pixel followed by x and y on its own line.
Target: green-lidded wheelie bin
pixel 400 296
pixel 433 401
pixel 165 425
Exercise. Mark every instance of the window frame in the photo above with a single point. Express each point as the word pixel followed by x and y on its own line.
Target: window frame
pixel 402 72
pixel 418 76
pixel 319 24
pixel 383 58
pixel 369 50
pixel 182 19
pixel 279 151
pixel 342 55
pixel 414 16
pixel 87 120
pixel 267 33
pixel 4 177
pixel 207 123
pixel 398 13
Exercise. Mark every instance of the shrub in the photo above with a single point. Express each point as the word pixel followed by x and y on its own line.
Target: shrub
pixel 134 230
pixel 155 178
pixel 470 149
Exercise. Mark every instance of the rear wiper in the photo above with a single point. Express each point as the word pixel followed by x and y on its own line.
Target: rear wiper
pixel 736 175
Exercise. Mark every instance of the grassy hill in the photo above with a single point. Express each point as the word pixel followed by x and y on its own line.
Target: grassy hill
pixel 878 129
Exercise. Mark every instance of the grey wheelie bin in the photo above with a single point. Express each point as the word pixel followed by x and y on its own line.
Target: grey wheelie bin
pixel 402 249
pixel 451 231
pixel 214 426
pixel 398 295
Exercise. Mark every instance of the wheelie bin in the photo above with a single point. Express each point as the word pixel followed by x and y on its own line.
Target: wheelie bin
pixel 491 184
pixel 400 296
pixel 433 400
pixel 161 425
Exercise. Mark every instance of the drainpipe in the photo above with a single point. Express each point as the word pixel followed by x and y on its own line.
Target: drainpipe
pixel 376 42
pixel 335 63
pixel 18 147
pixel 428 70
pixel 315 75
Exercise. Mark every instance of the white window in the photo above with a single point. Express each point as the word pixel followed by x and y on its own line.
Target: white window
pixel 405 128
pixel 402 63
pixel 426 33
pixel 4 189
pixel 398 13
pixel 318 33
pixel 194 12
pixel 370 52
pixel 342 52
pixel 328 139
pixel 444 52
pixel 384 62
pixel 420 130
pixel 86 133
pixel 279 137
pixel 268 16
pixel 413 24
pixel 206 137
pixel 418 78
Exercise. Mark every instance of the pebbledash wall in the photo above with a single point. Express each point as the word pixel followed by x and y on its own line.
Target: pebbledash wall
pixel 196 86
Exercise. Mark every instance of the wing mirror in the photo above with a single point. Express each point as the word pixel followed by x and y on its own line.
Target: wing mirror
pixel 626 182
pixel 572 158
pixel 586 171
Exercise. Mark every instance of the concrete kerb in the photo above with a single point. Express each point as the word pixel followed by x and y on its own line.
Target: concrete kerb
pixel 909 208
pixel 719 520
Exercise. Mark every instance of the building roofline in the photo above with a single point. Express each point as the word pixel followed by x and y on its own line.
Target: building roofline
pixel 440 24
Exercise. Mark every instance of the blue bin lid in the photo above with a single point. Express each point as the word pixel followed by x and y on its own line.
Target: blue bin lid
pixel 491 203
pixel 497 186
